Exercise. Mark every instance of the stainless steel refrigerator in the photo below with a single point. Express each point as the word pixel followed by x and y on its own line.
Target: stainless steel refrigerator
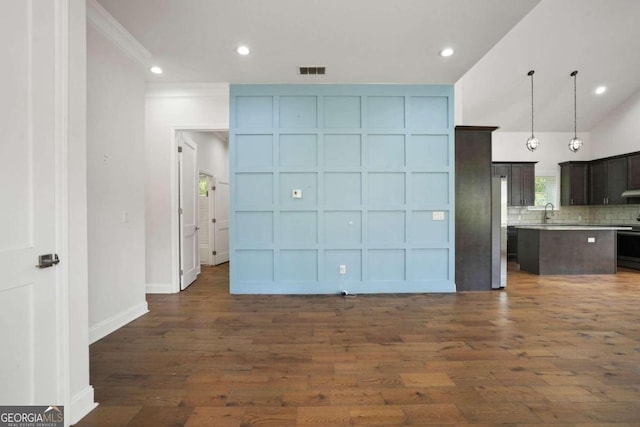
pixel 498 232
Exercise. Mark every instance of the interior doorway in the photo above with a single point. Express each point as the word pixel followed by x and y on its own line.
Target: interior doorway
pixel 209 199
pixel 214 219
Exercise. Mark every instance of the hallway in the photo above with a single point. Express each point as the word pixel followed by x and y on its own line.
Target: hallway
pixel 547 350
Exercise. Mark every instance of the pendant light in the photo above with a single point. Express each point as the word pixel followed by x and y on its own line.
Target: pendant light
pixel 532 142
pixel 576 143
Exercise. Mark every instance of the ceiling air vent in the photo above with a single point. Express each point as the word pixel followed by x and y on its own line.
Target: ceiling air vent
pixel 307 71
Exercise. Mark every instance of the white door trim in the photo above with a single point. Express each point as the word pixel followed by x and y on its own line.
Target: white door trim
pixel 61 143
pixel 175 218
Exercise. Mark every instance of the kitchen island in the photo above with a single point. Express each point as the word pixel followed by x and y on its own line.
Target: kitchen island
pixel 568 249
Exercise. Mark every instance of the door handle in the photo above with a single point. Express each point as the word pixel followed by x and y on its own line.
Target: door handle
pixel 48 260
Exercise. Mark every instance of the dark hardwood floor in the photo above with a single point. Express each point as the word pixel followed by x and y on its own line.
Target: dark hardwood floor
pixel 551 350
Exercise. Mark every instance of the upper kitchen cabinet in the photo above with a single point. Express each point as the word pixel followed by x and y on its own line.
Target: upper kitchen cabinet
pixel 523 184
pixel 574 183
pixel 608 179
pixel 633 173
pixel 521 179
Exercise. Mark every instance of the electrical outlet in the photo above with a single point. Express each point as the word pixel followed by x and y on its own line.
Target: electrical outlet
pixel 591 239
pixel 296 194
pixel 343 269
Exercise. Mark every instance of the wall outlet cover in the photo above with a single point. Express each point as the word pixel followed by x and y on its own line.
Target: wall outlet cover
pixel 296 194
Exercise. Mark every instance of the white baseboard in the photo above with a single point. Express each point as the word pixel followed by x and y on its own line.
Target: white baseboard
pixel 117 321
pixel 160 288
pixel 81 404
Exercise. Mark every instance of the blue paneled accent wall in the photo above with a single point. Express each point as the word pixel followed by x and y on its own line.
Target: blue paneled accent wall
pixel 324 176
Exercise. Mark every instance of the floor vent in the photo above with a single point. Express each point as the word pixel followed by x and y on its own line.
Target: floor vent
pixel 306 71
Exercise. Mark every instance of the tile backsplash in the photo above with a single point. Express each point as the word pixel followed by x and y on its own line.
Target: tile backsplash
pixel 615 214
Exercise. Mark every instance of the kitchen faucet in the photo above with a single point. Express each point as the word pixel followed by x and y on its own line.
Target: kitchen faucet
pixel 546 215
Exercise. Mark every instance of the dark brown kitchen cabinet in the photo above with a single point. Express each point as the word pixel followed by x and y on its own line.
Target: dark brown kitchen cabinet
pixel 633 173
pixel 608 179
pixel 521 181
pixel 574 183
pixel 523 184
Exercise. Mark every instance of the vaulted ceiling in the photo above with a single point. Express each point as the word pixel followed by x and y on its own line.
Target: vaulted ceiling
pixel 398 41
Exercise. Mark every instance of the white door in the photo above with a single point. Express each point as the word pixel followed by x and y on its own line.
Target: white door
pixel 189 254
pixel 30 298
pixel 221 222
pixel 204 219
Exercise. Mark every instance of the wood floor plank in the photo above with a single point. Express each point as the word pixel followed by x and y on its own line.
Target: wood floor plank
pixel 547 351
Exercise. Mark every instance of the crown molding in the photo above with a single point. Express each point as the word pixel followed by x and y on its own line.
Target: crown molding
pixel 105 23
pixel 187 90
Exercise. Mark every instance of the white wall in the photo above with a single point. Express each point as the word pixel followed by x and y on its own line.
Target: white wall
pixel 115 160
pixel 171 107
pixel 213 153
pixel 553 149
pixel 619 132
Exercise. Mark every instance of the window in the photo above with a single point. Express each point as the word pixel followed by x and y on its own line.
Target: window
pixel 203 185
pixel 546 190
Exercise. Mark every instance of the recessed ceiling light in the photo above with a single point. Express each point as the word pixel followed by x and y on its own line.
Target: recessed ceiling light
pixel 600 90
pixel 243 50
pixel 156 70
pixel 446 51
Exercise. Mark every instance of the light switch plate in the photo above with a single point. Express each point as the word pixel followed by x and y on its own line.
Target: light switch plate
pixel 591 239
pixel 296 194
pixel 437 216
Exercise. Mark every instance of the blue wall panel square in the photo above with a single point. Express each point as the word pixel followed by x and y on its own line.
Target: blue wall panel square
pixel 387 265
pixel 428 151
pixel 429 112
pixel 254 150
pixel 342 227
pixel 386 189
pixel 429 264
pixel 254 112
pixel 298 150
pixel 350 258
pixel 254 228
pixel 385 112
pixel 254 265
pixel 385 151
pixel 298 227
pixel 342 190
pixel 342 151
pixel 423 229
pixel 342 111
pixel 430 188
pixel 298 112
pixel 298 265
pixel 307 182
pixel 253 190
pixel 387 227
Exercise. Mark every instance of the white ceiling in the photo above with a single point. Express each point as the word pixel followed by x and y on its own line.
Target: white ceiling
pixel 397 41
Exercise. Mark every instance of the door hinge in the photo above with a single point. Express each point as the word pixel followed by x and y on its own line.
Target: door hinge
pixel 180 211
pixel 181 272
pixel 213 220
pixel 213 188
pixel 214 253
pixel 179 149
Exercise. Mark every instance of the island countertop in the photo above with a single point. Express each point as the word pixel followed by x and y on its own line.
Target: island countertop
pixel 568 227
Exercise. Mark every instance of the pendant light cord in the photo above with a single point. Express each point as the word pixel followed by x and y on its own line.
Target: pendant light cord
pixel 531 74
pixel 575 105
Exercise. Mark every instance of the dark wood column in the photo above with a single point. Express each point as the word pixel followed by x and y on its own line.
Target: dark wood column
pixel 473 207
